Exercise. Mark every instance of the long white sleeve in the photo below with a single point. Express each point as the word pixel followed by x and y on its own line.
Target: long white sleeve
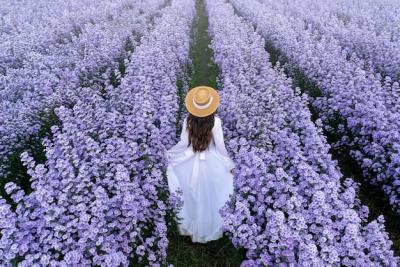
pixel 184 141
pixel 218 137
pixel 175 152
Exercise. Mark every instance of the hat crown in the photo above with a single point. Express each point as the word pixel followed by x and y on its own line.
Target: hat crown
pixel 202 96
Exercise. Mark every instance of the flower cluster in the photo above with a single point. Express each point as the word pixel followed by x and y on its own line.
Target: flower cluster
pixel 101 197
pixel 378 47
pixel 289 206
pixel 52 76
pixel 355 106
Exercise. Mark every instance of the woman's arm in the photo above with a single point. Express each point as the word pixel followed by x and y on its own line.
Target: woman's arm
pixel 218 136
pixel 175 152
pixel 184 141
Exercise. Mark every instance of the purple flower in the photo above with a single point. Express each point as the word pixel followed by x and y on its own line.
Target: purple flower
pixel 282 158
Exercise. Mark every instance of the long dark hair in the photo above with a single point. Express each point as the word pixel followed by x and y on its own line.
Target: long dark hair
pixel 199 129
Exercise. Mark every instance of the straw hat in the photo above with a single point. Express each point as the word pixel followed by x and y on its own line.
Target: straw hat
pixel 202 101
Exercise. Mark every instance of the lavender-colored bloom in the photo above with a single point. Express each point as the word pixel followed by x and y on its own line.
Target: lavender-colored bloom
pixel 51 73
pixel 354 98
pixel 289 207
pixel 97 198
pixel 365 29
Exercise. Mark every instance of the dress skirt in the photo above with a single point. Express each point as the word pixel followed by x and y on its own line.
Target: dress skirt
pixel 206 186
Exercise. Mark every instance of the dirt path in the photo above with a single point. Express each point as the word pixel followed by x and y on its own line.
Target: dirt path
pixel 181 251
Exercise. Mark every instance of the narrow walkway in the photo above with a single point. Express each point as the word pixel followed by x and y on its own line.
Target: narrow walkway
pixel 204 71
pixel 181 251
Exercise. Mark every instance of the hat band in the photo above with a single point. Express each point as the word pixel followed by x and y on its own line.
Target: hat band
pixel 203 106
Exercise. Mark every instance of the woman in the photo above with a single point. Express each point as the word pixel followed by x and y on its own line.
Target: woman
pixel 200 165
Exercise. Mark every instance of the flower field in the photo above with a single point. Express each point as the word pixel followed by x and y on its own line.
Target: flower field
pixel 91 97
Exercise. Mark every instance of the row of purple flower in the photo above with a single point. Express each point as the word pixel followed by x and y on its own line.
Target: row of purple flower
pixel 364 110
pixel 99 199
pixel 51 74
pixel 289 206
pixel 30 26
pixel 356 25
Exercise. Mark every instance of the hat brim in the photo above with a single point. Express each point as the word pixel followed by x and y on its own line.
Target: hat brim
pixel 201 112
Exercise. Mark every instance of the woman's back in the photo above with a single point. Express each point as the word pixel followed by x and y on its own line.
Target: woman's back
pixel 216 144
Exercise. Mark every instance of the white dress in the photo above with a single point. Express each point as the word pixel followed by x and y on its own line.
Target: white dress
pixel 206 182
